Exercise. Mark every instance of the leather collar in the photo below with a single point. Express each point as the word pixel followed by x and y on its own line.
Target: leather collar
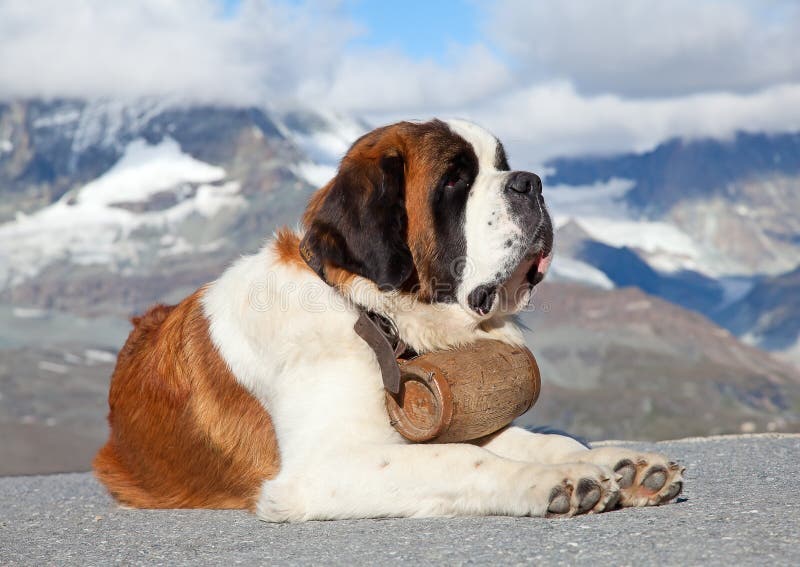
pixel 381 334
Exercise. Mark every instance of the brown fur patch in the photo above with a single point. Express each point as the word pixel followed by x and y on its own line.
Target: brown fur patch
pixel 337 277
pixel 287 248
pixel 184 433
pixel 427 150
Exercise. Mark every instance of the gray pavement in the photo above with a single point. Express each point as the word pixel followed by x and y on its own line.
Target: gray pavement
pixel 741 506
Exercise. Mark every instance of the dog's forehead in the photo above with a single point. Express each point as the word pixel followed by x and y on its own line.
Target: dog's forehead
pixel 483 142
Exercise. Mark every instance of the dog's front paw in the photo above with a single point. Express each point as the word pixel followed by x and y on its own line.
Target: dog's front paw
pixel 645 479
pixel 569 489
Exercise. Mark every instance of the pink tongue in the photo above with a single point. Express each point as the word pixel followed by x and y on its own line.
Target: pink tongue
pixel 544 263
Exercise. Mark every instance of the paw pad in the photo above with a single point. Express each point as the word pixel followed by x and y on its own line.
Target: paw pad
pixel 589 494
pixel 627 471
pixel 655 479
pixel 559 500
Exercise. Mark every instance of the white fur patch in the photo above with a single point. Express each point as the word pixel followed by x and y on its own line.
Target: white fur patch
pixel 490 230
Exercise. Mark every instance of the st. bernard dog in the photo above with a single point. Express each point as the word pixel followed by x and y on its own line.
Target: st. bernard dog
pixel 255 392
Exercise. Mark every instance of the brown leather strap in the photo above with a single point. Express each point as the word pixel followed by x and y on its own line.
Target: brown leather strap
pixel 378 341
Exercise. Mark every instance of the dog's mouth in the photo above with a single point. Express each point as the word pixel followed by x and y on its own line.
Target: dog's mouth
pixel 538 268
pixel 529 273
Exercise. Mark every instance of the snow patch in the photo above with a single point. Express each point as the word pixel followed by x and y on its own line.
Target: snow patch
pixel 28 313
pixel 105 122
pixel 83 234
pixel 327 146
pixel 324 146
pixel 177 247
pixel 6 147
pixel 597 200
pixel 56 119
pixel 601 211
pixel 668 247
pixel 316 174
pixel 570 269
pixel 85 228
pixel 145 170
pixel 750 338
pixel 52 367
pixel 94 355
pixel 72 358
pixel 207 202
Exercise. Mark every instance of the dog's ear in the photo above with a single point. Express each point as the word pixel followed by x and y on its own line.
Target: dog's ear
pixel 359 222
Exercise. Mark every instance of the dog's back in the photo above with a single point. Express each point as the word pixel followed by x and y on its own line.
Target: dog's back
pixel 174 444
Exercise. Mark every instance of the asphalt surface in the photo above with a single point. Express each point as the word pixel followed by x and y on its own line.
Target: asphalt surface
pixel 740 506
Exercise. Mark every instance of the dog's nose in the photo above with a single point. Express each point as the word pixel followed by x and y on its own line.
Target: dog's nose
pixel 525 183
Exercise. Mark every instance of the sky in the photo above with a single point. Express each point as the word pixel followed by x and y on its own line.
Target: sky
pixel 421 29
pixel 549 77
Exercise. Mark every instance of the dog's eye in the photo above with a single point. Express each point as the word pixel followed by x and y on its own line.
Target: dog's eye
pixel 456 180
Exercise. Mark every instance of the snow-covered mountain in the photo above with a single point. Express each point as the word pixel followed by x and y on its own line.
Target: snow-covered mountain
pixel 698 223
pixel 109 206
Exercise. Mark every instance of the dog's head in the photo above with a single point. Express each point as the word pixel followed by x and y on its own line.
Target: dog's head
pixel 433 209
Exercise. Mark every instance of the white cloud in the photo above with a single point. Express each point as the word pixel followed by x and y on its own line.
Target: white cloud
pixel 572 86
pixel 386 81
pixel 266 51
pixel 155 47
pixel 651 47
pixel 543 121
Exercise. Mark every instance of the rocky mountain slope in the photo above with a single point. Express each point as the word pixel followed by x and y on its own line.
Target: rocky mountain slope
pixel 769 315
pixel 623 364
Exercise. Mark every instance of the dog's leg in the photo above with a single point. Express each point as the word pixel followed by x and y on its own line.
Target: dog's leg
pixel 522 445
pixel 431 480
pixel 645 479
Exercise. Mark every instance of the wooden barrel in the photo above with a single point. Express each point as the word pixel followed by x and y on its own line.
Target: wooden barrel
pixel 460 395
